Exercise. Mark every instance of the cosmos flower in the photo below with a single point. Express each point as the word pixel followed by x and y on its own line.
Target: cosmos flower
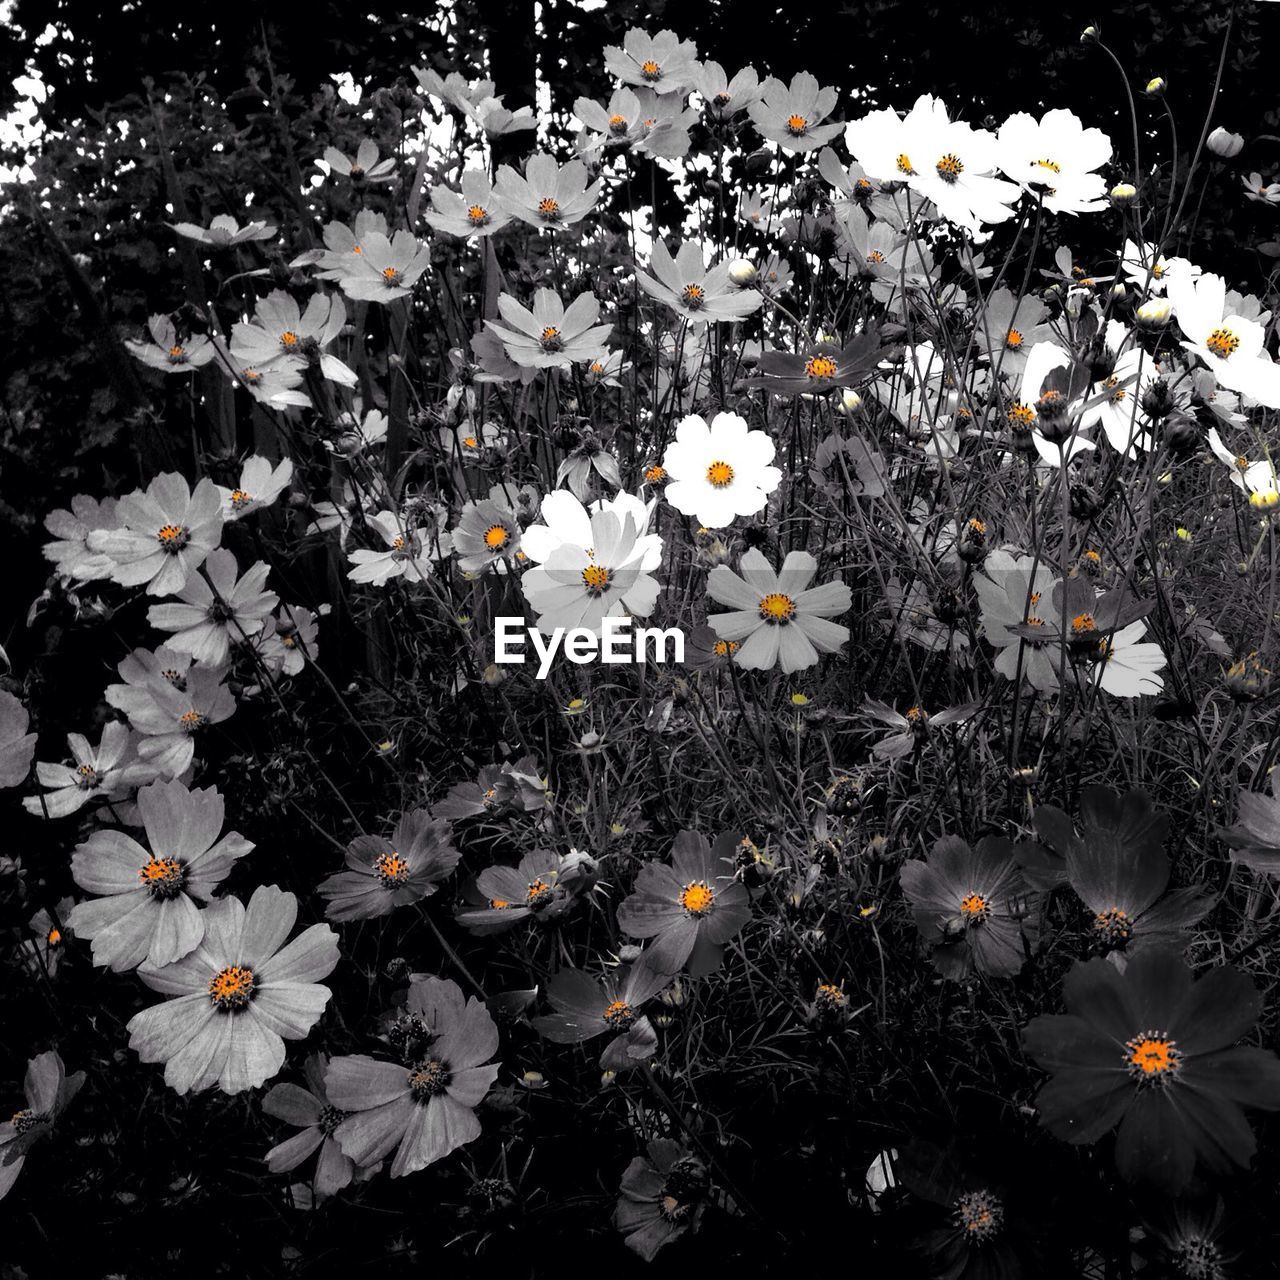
pixel 474 212
pixel 912 729
pixel 281 336
pixel 237 997
pixel 288 640
pixel 1130 666
pixel 972 907
pixel 43 953
pixel 551 336
pixel 824 366
pixel 1116 403
pixel 316 1118
pixel 163 535
pixel 1008 329
pixel 224 232
pixel 487 533
pixel 1149 1051
pixel 662 1196
pixel 507 895
pixel 691 908
pixel 17 746
pixel 586 1008
pixel 49 1091
pixel 640 120
pixel 870 251
pixel 425 1109
pixel 498 121
pixel 548 196
pixel 108 771
pixel 663 63
pixel 217 610
pixel 386 269
pixel 343 245
pixel 512 787
pixel 1056 159
pixel 1231 346
pixel 692 289
pixel 1144 266
pixel 169 717
pixel 1042 411
pixel 169 353
pixel 1010 589
pixel 147 911
pixel 777 618
pixel 365 167
pixel 388 872
pixel 719 472
pixel 1248 477
pixel 1259 190
pixel 69 552
pixel 1255 837
pixel 792 115
pixel 725 97
pixel 409 552
pixel 261 483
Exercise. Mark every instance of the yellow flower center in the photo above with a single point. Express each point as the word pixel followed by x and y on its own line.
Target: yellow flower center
pixel 596 368
pixel 1013 340
pixel 496 536
pixel 391 276
pixel 696 898
pixel 1152 1057
pixel 597 579
pixel 1223 343
pixel 477 215
pixel 1083 623
pixel 655 474
pixel 724 648
pixel 1051 165
pixel 550 338
pixel 974 907
pixel 820 367
pixel 173 537
pixel 904 165
pixel 288 338
pixel 719 475
pixel 231 988
pixel 693 296
pixel 240 498
pixel 391 869
pixel 1021 415
pixel 797 126
pixel 776 608
pixel 875 258
pixel 949 168
pixel 650 70
pixel 617 124
pixel 162 877
pixel 549 208
pixel 619 1015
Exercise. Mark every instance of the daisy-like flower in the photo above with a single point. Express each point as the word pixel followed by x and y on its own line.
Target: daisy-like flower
pixel 549 196
pixel 1056 158
pixel 777 618
pixel 911 730
pixel 170 716
pixel 316 1118
pixel 386 269
pixel 579 584
pixel 972 906
pixel 342 244
pixel 217 610
pixel 1248 477
pixel 487 533
pixel 1042 411
pixel 164 534
pixel 43 952
pixel 825 366
pixel 692 289
pixel 691 908
pixel 410 553
pixel 551 336
pixel 289 640
pixel 237 997
pixel 147 911
pixel 1149 1050
pixel 792 115
pixel 364 167
pixel 278 386
pixel 260 485
pixel 1255 838
pixel 662 1196
pixel 17 746
pixel 1257 188
pixel 224 232
pixel 663 63
pixel 1143 266
pixel 605 368
pixel 474 212
pixel 725 97
pixel 108 771
pixel 513 787
pixel 454 91
pixel 868 250
pixel 504 896
pixel 586 1008
pixel 565 521
pixel 69 552
pixel 168 352
pixel 1010 589
pixel 1009 329
pixel 721 471
pixel 1130 667
pixel 388 872
pixel 426 1109
pixel 1115 403
pixel 282 335
pixel 1231 346
pixel 48 1091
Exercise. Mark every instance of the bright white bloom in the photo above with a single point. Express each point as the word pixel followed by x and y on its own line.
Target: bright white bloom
pixel 565 520
pixel 147 911
pixel 721 471
pixel 1117 400
pixel 1143 266
pixel 70 552
pixel 237 997
pixel 1230 345
pixel 108 771
pixel 549 196
pixel 582 582
pixel 410 553
pixel 260 485
pixel 1248 477
pixel 1056 158
pixel 1042 360
pixel 1130 667
pixel 212 615
pixel 283 335
pixel 778 617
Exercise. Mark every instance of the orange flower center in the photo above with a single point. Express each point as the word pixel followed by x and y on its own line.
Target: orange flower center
pixel 597 579
pixel 776 608
pixel 477 215
pixel 1152 1058
pixel 496 536
pixel 974 907
pixel 288 338
pixel 173 537
pixel 696 898
pixel 822 368
pixel 693 296
pixel 1223 343
pixel 391 869
pixel 1013 340
pixel 619 1015
pixel 720 475
pixel 797 126
pixel 231 988
pixel 949 168
pixel 162 877
pixel 650 70
pixel 549 208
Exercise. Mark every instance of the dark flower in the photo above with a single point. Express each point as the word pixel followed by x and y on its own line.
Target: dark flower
pixel 691 908
pixel 1255 839
pixel 586 1008
pixel 705 651
pixel 971 906
pixel 508 895
pixel 315 1117
pixel 822 367
pixel 48 1091
pixel 499 789
pixel 1149 1050
pixel 661 1197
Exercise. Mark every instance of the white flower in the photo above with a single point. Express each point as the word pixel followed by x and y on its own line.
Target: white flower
pixel 224 232
pixel 721 471
pixel 281 335
pixel 385 269
pixel 601 573
pixel 108 771
pixel 70 552
pixel 1151 270
pixel 1056 157
pixel 1230 345
pixel 1129 667
pixel 566 520
pixel 409 552
pixel 778 616
pixel 1116 401
pixel 1042 360
pixel 212 615
pixel 1248 477
pixel 238 996
pixel 260 485
pixel 169 353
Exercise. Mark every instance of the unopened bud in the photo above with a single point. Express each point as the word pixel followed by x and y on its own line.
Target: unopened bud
pixel 1156 87
pixel 1123 194
pixel 1222 142
pixel 1155 313
pixel 742 272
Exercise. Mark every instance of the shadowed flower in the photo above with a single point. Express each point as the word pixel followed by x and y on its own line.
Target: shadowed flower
pixel 551 336
pixel 169 716
pixel 49 1091
pixel 425 1110
pixel 108 771
pixel 310 1111
pixel 586 1008
pixel 501 789
pixel 385 873
pixel 971 906
pixel 825 366
pixel 365 167
pixel 1150 1051
pixel 1012 591
pixel 661 1197
pixel 69 552
pixel 148 909
pixel 691 908
pixel 508 895
pixel 17 746
pixel 725 97
pixel 237 997
pixel 224 232
pixel 912 728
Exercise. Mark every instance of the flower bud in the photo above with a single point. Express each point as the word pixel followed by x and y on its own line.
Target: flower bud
pixel 1123 194
pixel 1265 499
pixel 850 401
pixel 742 272
pixel 1222 142
pixel 1247 679
pixel 1155 313
pixel 1156 87
pixel 1089 35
